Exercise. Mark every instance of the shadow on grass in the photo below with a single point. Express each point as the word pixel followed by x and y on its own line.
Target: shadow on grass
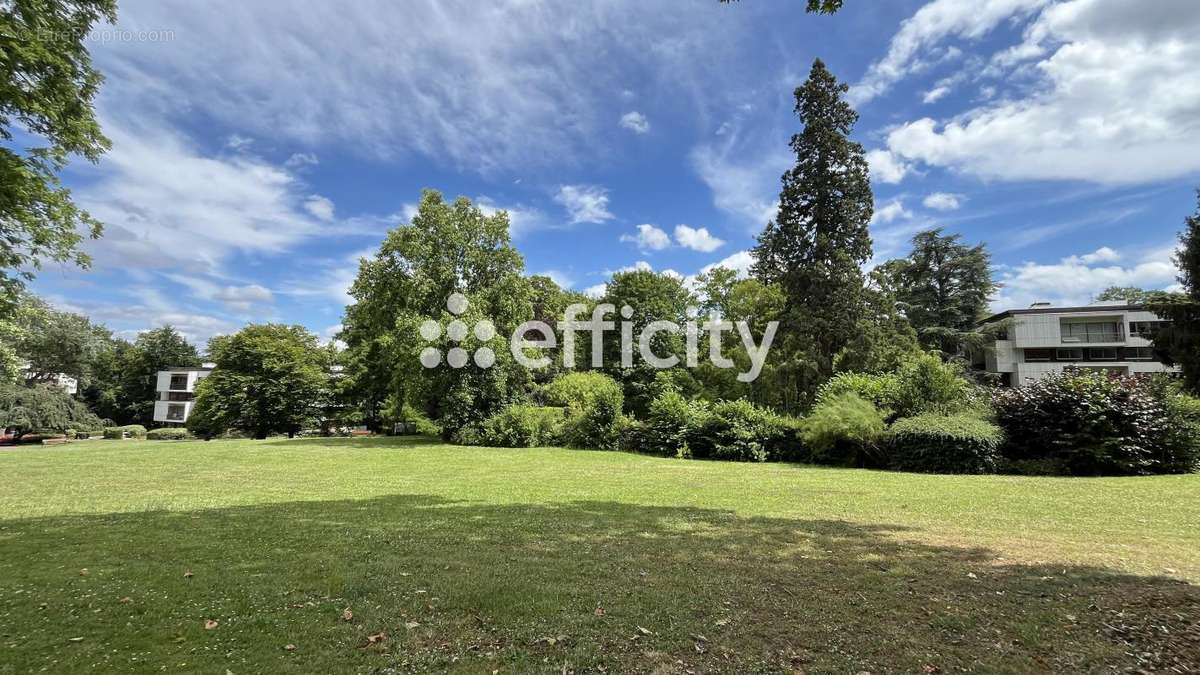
pixel 462 586
pixel 353 441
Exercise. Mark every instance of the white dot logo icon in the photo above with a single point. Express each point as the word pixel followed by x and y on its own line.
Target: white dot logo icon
pixel 457 331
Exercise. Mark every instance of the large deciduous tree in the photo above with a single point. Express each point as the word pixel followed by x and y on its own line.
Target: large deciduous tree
pixel 943 287
pixel 447 248
pixel 154 350
pixel 815 247
pixel 1179 342
pixel 269 378
pixel 47 88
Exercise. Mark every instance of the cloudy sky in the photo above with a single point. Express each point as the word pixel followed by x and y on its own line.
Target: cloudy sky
pixel 260 148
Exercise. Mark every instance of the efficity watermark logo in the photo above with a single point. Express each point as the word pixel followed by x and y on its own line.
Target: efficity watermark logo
pixel 529 352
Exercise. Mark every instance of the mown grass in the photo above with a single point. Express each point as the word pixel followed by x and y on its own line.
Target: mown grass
pixel 114 555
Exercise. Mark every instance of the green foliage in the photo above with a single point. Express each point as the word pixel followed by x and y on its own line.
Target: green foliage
pixel 47 90
pixel 927 384
pixel 593 402
pixel 741 431
pixel 1091 423
pixel 944 444
pixel 815 247
pixel 168 434
pixel 882 390
pixel 844 430
pixel 268 379
pixel 129 430
pixel 943 287
pixel 41 409
pixel 522 426
pixel 1179 342
pixel 884 339
pixel 672 425
pixel 1131 294
pixel 447 248
pixel 653 297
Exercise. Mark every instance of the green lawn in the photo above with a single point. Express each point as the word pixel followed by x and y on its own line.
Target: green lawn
pixel 115 554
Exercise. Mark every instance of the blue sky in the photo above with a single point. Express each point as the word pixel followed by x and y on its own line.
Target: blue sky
pixel 260 148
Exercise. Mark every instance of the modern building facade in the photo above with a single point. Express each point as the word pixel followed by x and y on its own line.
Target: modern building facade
pixel 176 393
pixel 1040 340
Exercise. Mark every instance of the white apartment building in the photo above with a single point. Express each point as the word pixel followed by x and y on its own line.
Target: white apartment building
pixel 176 393
pixel 1110 336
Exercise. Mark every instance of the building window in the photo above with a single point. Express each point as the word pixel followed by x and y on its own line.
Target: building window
pixel 1102 354
pixel 180 396
pixel 1071 354
pixel 175 412
pixel 1032 355
pixel 1139 354
pixel 179 382
pixel 1145 329
pixel 1091 331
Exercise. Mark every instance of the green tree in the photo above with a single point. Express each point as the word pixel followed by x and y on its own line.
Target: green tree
pixel 49 341
pixel 1179 342
pixel 269 378
pixel 447 248
pixel 885 339
pixel 815 247
pixel 42 409
pixel 652 297
pixel 1131 294
pixel 154 350
pixel 47 88
pixel 943 287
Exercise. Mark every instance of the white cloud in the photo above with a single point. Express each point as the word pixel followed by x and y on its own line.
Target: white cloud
pixel 1075 280
pixel 648 238
pixel 635 122
pixel 740 262
pixel 970 19
pixel 744 180
pixel 521 219
pixel 889 212
pixel 1113 100
pixel 167 205
pixel 584 203
pixel 943 201
pixel 936 94
pixel 1102 254
pixel 596 291
pixel 563 279
pixel 241 299
pixel 886 167
pixel 301 159
pixel 495 87
pixel 320 207
pixel 697 239
pixel 237 143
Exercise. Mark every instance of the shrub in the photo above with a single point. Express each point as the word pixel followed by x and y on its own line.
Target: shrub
pixel 593 401
pixel 168 434
pixel 522 426
pixel 843 430
pixel 1092 423
pixel 71 434
pixel 944 444
pixel 130 430
pixel 672 425
pixel 926 384
pixel 882 390
pixel 741 431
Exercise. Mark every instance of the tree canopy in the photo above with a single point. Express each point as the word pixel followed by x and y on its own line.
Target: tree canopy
pixel 943 286
pixel 47 90
pixel 816 246
pixel 42 409
pixel 1179 342
pixel 269 378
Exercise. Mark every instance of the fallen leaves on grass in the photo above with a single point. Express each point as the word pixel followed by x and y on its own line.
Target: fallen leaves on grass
pixel 188 574
pixel 411 625
pixel 599 611
pixel 210 624
pixel 289 647
pixel 347 615
pixel 125 600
